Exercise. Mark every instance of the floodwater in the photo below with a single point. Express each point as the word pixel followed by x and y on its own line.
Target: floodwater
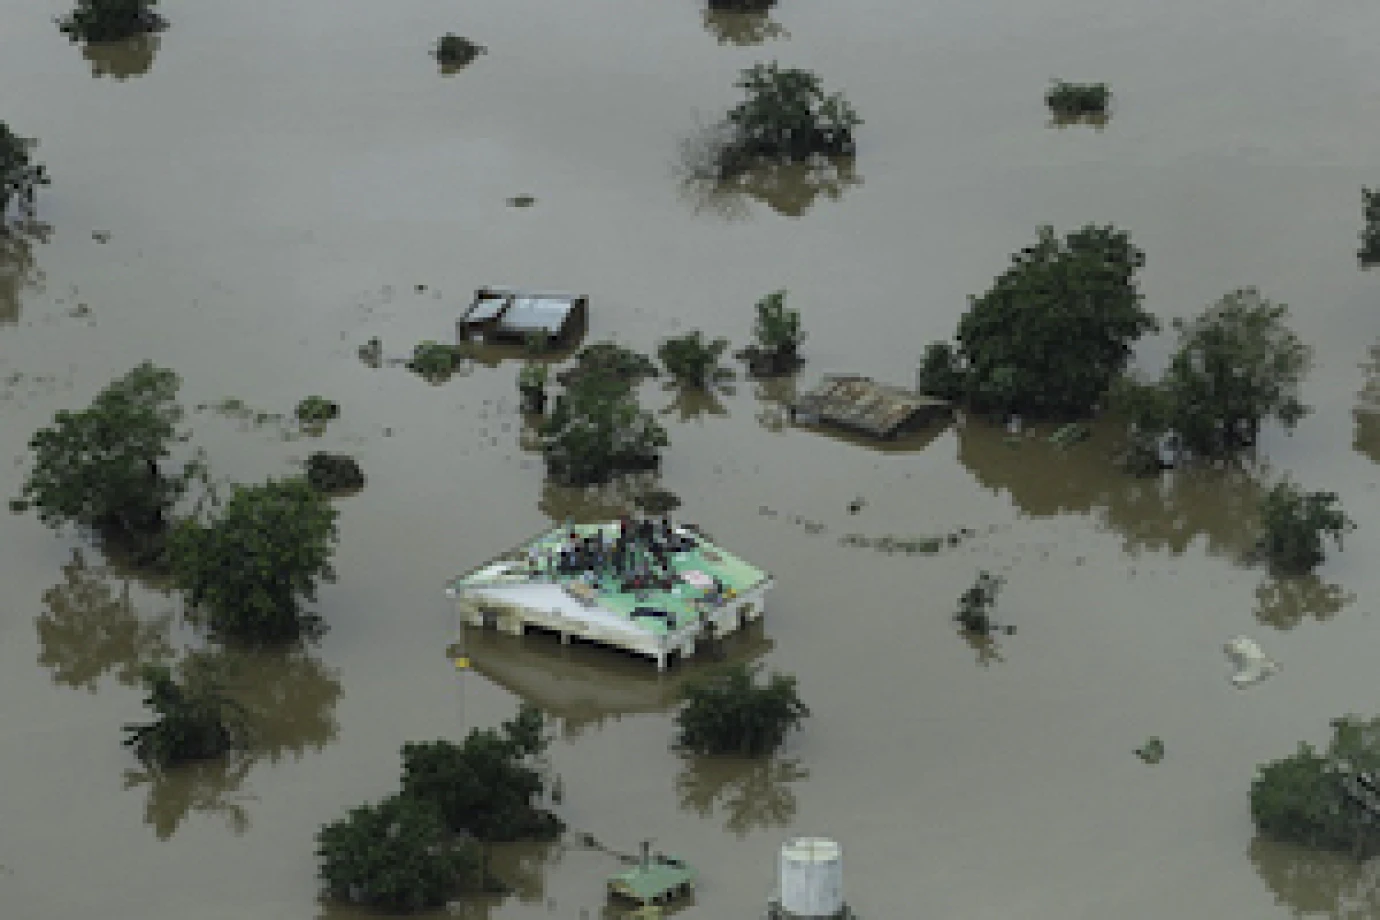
pixel 254 194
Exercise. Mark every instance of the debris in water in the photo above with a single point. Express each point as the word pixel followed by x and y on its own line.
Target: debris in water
pixel 1152 751
pixel 100 236
pixel 856 505
pixel 521 201
pixel 1251 663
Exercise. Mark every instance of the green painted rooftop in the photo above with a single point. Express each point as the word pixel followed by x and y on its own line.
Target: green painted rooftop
pixel 660 877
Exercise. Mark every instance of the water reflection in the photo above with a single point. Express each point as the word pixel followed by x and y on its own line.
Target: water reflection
pixel 290 700
pixel 742 29
pixel 749 792
pixel 1286 602
pixel 122 60
pixel 775 396
pixel 691 405
pixel 985 648
pixel 1366 439
pixel 90 628
pixel 789 189
pixel 1310 883
pixel 581 686
pixel 18 271
pixel 1166 513
pixel 587 505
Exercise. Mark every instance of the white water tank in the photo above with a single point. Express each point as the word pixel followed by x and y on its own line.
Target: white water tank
pixel 811 877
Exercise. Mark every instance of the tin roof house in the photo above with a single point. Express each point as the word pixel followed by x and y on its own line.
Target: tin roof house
pixel 862 404
pixel 506 314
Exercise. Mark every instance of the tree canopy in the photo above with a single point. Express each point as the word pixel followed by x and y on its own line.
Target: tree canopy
pixel 788 115
pixel 1052 333
pixel 110 20
pixel 1295 524
pixel 396 855
pixel 20 176
pixel 1328 800
pixel 693 360
pixel 729 712
pixel 99 468
pixel 485 786
pixel 251 569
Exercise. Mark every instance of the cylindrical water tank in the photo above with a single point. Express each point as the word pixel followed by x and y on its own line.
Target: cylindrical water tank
pixel 811 877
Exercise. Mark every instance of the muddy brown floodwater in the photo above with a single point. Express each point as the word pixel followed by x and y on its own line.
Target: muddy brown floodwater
pixel 256 193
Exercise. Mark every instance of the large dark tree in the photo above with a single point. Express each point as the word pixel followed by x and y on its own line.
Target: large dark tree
pixel 252 569
pixel 487 785
pixel 99 468
pixel 396 856
pixel 729 712
pixel 787 115
pixel 110 20
pixel 1053 332
pixel 1295 525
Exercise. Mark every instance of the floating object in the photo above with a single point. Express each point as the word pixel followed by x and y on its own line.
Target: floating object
pixel 1152 752
pixel 811 879
pixel 656 879
pixel 1251 663
pixel 462 663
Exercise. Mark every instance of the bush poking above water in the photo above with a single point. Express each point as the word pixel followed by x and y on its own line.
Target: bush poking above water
pixel 1296 524
pixel 20 177
pixel 777 337
pixel 741 6
pixel 334 474
pixel 111 20
pixel 316 411
pixel 975 604
pixel 1369 254
pixel 729 712
pixel 692 360
pixel 434 362
pixel 1073 102
pixel 786 116
pixel 455 51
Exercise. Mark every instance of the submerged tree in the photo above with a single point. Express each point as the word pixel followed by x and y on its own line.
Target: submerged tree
pixel 1054 331
pixel 314 412
pixel 196 720
pixel 1237 364
pixel 1070 102
pixel 1295 525
pixel 488 785
pixel 455 51
pixel 597 429
pixel 1328 800
pixel 99 468
pixel 334 474
pixel 531 382
pixel 1369 253
pixel 110 20
pixel 786 115
pixel 738 27
pixel 692 360
pixel 975 604
pixel 251 569
pixel 396 856
pixel 20 176
pixel 777 337
pixel 729 712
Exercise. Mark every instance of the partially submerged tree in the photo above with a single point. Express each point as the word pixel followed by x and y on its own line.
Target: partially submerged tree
pixel 20 176
pixel 315 411
pixel 729 712
pixel 532 387
pixel 597 429
pixel 742 6
pixel 1295 524
pixel 786 115
pixel 487 786
pixel 1237 364
pixel 334 474
pixel 976 603
pixel 111 20
pixel 742 27
pixel 435 361
pixel 1369 253
pixel 196 720
pixel 1328 800
pixel 99 467
pixel 455 51
pixel 251 569
pixel 1054 331
pixel 1070 102
pixel 777 337
pixel 397 856
pixel 692 360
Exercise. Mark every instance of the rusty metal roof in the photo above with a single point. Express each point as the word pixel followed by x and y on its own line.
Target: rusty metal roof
pixel 863 403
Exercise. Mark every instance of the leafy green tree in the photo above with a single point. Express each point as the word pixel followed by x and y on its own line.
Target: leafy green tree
pixel 742 6
pixel 597 429
pixel 20 176
pixel 787 115
pixel 99 468
pixel 1328 801
pixel 196 720
pixel 487 785
pixel 607 359
pixel 315 411
pixel 251 569
pixel 396 855
pixel 1237 364
pixel 1295 525
pixel 435 361
pixel 334 474
pixel 1056 328
pixel 110 20
pixel 729 712
pixel 692 360
pixel 777 337
pixel 941 372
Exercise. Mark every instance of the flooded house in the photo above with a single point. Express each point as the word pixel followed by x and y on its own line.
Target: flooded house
pixel 501 314
pixel 861 404
pixel 646 586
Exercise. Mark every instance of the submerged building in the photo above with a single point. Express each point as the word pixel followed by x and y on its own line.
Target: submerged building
pixel 645 586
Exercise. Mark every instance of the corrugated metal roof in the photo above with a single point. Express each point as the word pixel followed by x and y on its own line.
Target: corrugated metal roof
pixel 486 309
pixel 660 877
pixel 537 314
pixel 862 403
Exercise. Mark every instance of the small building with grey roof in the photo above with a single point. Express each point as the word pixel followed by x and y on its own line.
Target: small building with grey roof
pixel 507 314
pixel 862 404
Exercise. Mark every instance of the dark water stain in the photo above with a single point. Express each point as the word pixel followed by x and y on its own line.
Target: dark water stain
pixel 211 789
pixel 790 189
pixel 122 60
pixel 1311 883
pixel 1285 602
